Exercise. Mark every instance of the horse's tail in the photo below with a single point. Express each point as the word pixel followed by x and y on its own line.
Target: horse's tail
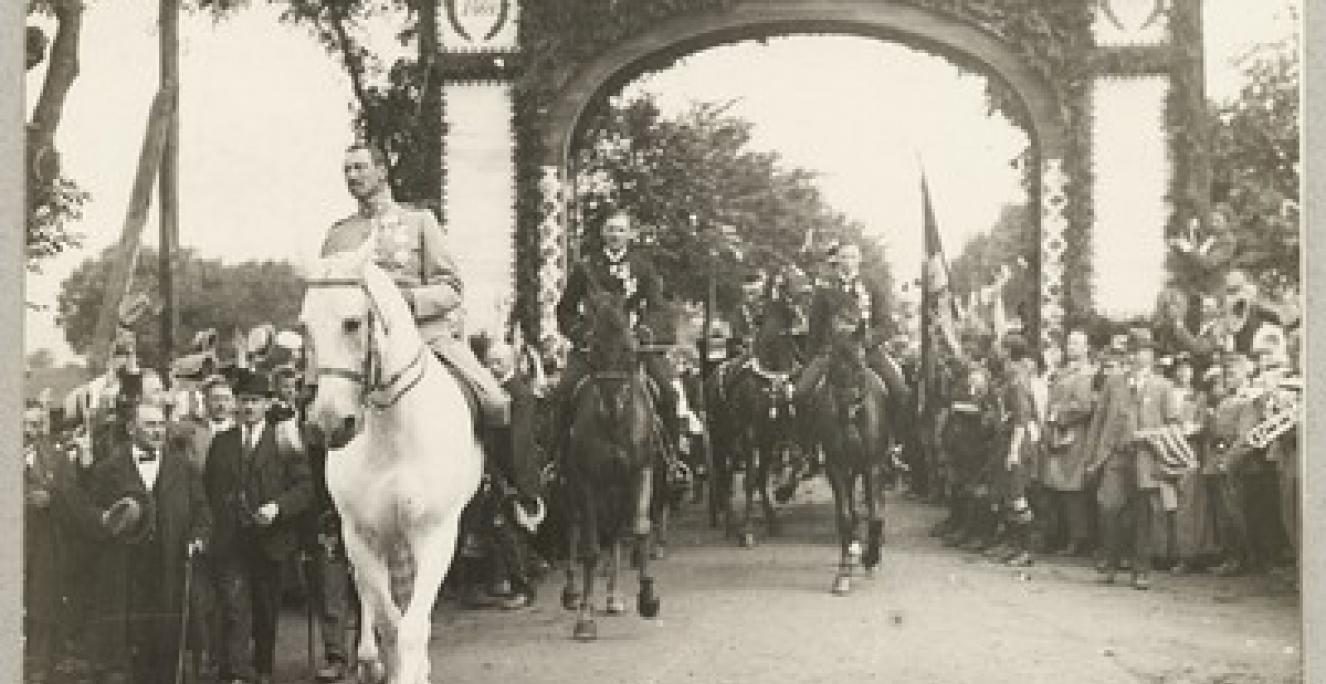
pixel 401 572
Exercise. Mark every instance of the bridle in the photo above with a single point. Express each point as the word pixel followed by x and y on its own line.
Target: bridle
pixel 370 375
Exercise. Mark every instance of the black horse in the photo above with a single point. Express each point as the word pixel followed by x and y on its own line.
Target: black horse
pixel 609 466
pixel 762 415
pixel 848 412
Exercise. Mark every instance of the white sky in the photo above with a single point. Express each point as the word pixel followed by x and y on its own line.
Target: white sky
pixel 265 116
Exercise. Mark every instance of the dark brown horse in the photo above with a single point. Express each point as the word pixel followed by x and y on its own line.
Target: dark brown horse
pixel 847 409
pixel 609 465
pixel 762 414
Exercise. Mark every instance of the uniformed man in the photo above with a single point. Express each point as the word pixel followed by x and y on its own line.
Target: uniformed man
pixel 619 269
pixel 1132 404
pixel 410 247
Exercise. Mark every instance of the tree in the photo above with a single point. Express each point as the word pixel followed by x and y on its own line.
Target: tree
pixel 210 295
pixel 53 199
pixel 1255 159
pixel 1011 238
pixel 684 178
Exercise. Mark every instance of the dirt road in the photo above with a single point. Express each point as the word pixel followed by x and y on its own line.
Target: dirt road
pixel 930 615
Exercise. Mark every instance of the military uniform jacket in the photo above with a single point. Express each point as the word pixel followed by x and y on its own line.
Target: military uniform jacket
pixel 411 248
pixel 632 277
pixel 871 303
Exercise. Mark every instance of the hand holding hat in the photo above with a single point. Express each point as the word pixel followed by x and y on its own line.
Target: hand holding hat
pixel 122 516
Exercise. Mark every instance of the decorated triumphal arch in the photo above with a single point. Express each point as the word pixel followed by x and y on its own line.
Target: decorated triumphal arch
pixel 1105 89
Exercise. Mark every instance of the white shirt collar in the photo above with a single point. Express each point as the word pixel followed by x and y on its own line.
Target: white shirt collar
pixel 147 470
pixel 257 429
pixel 217 427
pixel 615 256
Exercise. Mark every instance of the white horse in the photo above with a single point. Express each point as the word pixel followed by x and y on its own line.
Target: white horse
pixel 404 456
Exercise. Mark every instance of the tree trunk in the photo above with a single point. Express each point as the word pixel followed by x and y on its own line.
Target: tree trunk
pixel 61 70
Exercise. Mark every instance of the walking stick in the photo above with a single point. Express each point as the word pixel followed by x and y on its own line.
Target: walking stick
pixel 308 609
pixel 184 615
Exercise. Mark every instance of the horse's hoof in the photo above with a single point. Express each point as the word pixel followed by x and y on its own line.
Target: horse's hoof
pixel 854 552
pixel 659 552
pixel 570 599
pixel 371 672
pixel 648 605
pixel 616 606
pixel 842 585
pixel 869 572
pixel 642 527
pixel 585 631
pixel 747 540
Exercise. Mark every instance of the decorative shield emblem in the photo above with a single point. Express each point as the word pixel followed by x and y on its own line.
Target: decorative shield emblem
pixel 1131 16
pixel 478 21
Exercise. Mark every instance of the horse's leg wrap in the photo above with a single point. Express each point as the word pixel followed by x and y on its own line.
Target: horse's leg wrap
pixel 643 495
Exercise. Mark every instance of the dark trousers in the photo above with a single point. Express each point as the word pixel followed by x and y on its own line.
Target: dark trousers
pixel 1066 517
pixel 330 580
pixel 1126 514
pixel 1231 520
pixel 250 603
pixel 1249 524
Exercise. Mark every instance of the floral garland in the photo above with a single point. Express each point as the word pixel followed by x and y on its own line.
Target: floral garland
pixel 1053 36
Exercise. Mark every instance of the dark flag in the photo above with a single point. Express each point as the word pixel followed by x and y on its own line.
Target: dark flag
pixel 938 309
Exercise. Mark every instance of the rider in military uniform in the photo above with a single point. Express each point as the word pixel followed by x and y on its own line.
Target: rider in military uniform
pixel 873 306
pixel 410 247
pixel 618 269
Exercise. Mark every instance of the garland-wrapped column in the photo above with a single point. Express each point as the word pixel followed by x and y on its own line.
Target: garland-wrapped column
pixel 1053 224
pixel 552 253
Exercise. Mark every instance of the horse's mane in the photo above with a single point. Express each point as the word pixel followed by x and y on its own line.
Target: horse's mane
pixel 611 341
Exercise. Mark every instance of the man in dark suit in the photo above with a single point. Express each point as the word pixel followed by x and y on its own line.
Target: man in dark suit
pixel 258 484
pixel 618 269
pixel 1132 404
pixel 43 471
pixel 140 572
pixel 873 306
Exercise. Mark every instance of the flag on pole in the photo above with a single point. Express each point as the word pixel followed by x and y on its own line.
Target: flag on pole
pixel 938 310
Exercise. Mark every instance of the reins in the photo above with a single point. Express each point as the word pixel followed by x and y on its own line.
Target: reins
pixel 369 376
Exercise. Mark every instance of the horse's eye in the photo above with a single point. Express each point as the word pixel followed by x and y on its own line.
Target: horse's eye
pixel 352 325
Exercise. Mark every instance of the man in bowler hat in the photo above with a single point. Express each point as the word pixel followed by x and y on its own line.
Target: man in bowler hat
pixel 257 485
